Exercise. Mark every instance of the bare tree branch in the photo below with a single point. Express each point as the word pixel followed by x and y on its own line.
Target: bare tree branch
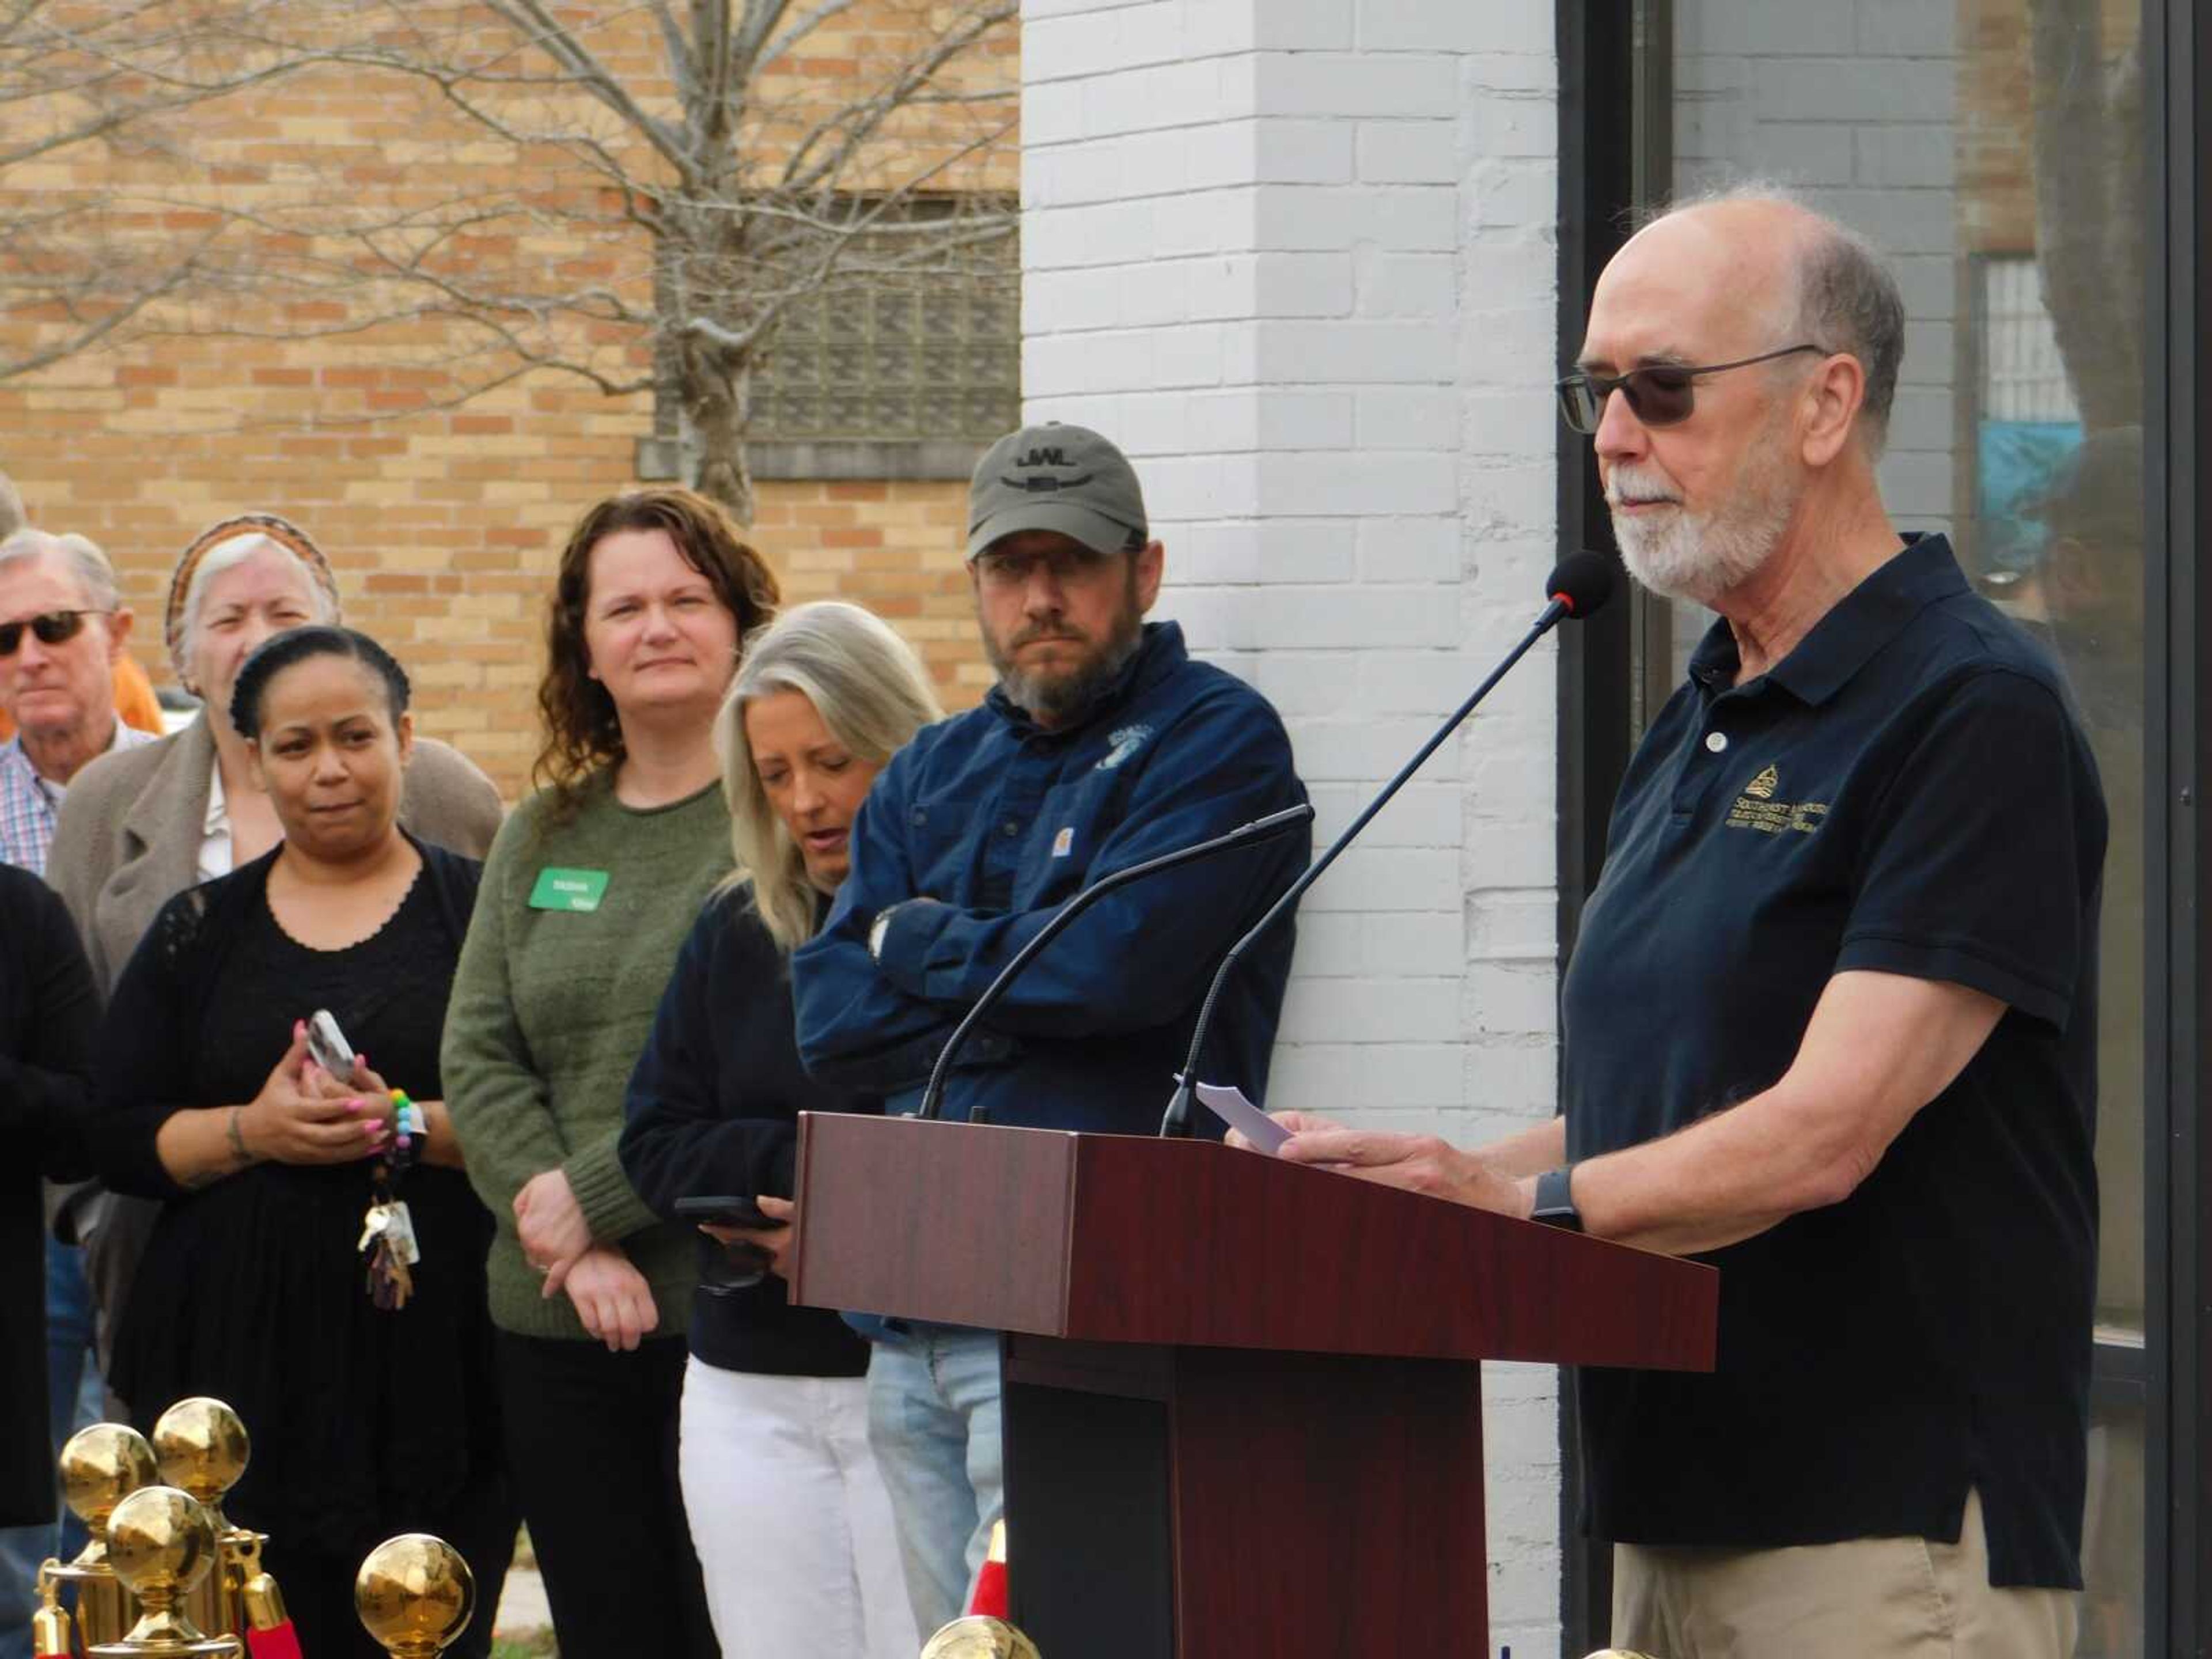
pixel 592 75
pixel 802 26
pixel 562 211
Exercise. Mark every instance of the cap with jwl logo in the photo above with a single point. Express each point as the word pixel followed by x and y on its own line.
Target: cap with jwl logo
pixel 1059 478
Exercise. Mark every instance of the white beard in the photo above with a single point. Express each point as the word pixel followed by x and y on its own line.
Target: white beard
pixel 1698 556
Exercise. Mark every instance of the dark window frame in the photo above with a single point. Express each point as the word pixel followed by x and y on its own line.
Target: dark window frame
pixel 2177 751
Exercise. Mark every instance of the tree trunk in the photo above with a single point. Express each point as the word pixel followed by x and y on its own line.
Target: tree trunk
pixel 717 399
pixel 2088 152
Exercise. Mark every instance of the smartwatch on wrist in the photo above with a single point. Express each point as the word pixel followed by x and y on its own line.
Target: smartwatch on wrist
pixel 1555 1201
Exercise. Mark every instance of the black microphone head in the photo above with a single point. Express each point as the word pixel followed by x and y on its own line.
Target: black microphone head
pixel 1582 582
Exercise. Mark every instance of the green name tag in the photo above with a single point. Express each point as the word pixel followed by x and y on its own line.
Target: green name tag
pixel 568 889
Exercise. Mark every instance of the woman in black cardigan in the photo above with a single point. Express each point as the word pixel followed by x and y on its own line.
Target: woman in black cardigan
pixel 48 1015
pixel 364 1380
pixel 787 1510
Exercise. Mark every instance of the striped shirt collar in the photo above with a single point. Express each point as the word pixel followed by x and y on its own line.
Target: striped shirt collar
pixel 29 805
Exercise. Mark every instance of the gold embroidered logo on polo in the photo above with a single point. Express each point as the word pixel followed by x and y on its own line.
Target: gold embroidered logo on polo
pixel 1757 809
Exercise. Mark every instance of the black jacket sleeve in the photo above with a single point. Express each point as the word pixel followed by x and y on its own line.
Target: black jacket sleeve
pixel 144 1052
pixel 706 1115
pixel 45 1087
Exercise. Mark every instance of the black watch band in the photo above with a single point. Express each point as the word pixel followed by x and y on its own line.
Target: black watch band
pixel 1555 1201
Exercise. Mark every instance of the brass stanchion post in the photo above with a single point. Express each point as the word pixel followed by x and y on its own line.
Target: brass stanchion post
pixel 978 1637
pixel 202 1449
pixel 161 1542
pixel 101 1466
pixel 414 1596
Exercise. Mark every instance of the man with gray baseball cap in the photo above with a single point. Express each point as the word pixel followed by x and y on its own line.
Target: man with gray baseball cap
pixel 1103 744
pixel 1059 478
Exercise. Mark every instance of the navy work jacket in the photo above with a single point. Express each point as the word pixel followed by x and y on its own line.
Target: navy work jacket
pixel 999 822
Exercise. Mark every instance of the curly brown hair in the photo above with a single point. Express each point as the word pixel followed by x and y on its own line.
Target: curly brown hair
pixel 582 735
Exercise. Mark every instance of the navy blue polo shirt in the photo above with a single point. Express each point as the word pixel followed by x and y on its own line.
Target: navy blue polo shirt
pixel 1907 791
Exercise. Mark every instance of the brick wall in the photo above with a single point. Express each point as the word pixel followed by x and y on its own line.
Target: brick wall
pixel 443 524
pixel 1298 259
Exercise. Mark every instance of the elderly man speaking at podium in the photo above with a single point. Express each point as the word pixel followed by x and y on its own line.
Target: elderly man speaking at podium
pixel 1831 1020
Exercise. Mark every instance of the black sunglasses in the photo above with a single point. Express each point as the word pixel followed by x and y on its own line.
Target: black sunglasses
pixel 1661 394
pixel 52 627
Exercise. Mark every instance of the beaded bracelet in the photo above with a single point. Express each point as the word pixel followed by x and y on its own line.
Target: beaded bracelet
pixel 409 1129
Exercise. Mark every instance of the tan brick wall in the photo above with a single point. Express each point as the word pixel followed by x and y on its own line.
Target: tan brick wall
pixel 1996 136
pixel 443 525
pixel 443 528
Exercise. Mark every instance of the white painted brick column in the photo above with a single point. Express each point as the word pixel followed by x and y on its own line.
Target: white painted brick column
pixel 1297 257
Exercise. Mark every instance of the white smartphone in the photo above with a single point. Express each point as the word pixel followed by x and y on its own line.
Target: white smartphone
pixel 328 1045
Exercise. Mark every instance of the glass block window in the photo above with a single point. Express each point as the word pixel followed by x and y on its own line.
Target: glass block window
pixel 881 356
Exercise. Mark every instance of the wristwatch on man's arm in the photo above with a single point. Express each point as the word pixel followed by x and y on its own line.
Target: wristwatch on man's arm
pixel 1555 1201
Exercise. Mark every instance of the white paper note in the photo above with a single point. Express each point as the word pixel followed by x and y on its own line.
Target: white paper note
pixel 1229 1105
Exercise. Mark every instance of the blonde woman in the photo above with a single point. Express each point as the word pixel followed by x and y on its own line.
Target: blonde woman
pixel 788 1513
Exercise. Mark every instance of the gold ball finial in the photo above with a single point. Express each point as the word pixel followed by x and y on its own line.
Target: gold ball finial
pixel 415 1594
pixel 978 1637
pixel 101 1466
pixel 161 1542
pixel 203 1448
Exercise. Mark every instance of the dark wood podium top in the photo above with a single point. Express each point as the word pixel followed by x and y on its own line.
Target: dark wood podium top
pixel 1124 1238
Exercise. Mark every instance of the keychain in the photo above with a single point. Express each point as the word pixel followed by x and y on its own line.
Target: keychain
pixel 387 1237
pixel 387 1231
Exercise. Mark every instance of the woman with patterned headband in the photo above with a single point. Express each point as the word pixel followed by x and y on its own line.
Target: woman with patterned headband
pixel 169 815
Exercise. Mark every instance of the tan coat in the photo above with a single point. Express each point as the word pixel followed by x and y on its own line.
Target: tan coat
pixel 129 837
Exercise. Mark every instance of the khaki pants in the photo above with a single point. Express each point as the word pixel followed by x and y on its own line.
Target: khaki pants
pixel 1872 1598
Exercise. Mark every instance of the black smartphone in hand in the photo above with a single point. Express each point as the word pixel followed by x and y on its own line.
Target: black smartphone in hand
pixel 728 1212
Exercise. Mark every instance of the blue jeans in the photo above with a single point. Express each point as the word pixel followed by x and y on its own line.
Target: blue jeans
pixel 74 1398
pixel 933 1422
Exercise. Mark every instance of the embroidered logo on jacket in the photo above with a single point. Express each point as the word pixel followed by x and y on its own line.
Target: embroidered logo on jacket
pixel 1763 787
pixel 1127 741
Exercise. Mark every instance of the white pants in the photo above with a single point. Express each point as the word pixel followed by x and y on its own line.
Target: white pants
pixel 790 1518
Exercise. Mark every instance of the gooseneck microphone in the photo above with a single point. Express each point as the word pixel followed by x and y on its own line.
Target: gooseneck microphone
pixel 1578 585
pixel 1244 835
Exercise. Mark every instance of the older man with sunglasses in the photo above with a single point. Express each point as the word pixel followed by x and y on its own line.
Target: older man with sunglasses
pixel 1830 1019
pixel 63 626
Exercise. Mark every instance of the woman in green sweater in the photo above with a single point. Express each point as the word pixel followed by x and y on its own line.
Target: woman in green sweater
pixel 590 888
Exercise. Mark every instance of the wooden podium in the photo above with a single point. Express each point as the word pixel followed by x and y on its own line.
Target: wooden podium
pixel 1244 1405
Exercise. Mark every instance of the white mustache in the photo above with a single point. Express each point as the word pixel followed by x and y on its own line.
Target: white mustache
pixel 1629 486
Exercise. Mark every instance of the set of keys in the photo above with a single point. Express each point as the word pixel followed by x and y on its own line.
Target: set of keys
pixel 387 1231
pixel 387 1238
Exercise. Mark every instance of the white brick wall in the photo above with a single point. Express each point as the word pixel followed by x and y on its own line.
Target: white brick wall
pixel 1854 102
pixel 1297 257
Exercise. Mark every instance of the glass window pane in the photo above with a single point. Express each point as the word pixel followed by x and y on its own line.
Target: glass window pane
pixel 1992 148
pixel 2112 1534
pixel 2001 169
